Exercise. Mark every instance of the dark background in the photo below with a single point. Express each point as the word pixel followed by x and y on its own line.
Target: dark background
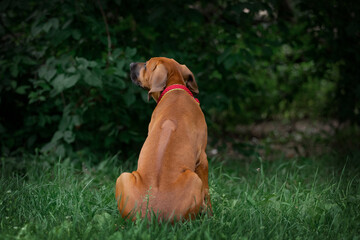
pixel 263 68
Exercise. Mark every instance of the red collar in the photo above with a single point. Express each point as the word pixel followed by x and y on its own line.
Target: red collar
pixel 176 87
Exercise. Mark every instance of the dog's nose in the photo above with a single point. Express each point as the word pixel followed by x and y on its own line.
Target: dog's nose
pixel 132 65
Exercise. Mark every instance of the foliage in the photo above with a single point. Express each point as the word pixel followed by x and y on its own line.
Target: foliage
pixel 64 66
pixel 57 199
pixel 334 33
pixel 57 95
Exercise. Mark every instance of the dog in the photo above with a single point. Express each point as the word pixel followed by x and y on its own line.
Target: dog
pixel 171 180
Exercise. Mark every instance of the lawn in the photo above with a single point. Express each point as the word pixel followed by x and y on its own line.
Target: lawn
pixel 302 198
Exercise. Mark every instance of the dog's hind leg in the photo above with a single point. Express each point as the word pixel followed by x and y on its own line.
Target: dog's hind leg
pixel 126 193
pixel 202 171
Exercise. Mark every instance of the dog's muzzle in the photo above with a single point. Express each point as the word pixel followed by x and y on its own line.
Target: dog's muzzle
pixel 134 73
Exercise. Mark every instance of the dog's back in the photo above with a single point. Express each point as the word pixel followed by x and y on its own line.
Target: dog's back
pixel 165 181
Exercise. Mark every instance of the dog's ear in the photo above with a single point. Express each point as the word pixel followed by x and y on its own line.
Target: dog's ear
pixel 158 79
pixel 189 79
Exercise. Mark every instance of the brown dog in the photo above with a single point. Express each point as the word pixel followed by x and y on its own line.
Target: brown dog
pixel 172 176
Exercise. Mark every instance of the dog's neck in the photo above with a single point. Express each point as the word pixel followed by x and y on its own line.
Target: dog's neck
pixel 173 78
pixel 176 87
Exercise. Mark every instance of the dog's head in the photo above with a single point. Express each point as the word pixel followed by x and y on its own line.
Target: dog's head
pixel 159 72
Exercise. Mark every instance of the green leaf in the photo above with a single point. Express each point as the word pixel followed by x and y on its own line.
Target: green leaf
pixel 32 97
pixel 29 61
pixel 82 62
pixel 216 74
pixel 47 147
pixel 14 69
pixel 92 79
pixel 116 53
pixel 47 72
pixel 67 23
pixel 60 150
pixel 119 69
pixel 106 127
pixel 41 98
pixel 35 29
pixel 120 64
pixel 58 82
pixel 69 136
pixel 224 55
pixel 50 74
pixel 119 72
pixel 93 64
pixel 13 84
pixel 71 81
pixel 71 69
pixel 22 89
pixel 129 98
pixel 65 122
pixel 76 34
pixel 42 71
pixel 62 82
pixel 120 83
pixel 130 52
pixel 57 136
pixel 229 62
pixel 76 120
pixel 46 27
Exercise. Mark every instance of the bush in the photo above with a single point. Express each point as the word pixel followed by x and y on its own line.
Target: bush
pixel 64 68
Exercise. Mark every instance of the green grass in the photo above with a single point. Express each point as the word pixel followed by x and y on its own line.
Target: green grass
pixel 44 198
